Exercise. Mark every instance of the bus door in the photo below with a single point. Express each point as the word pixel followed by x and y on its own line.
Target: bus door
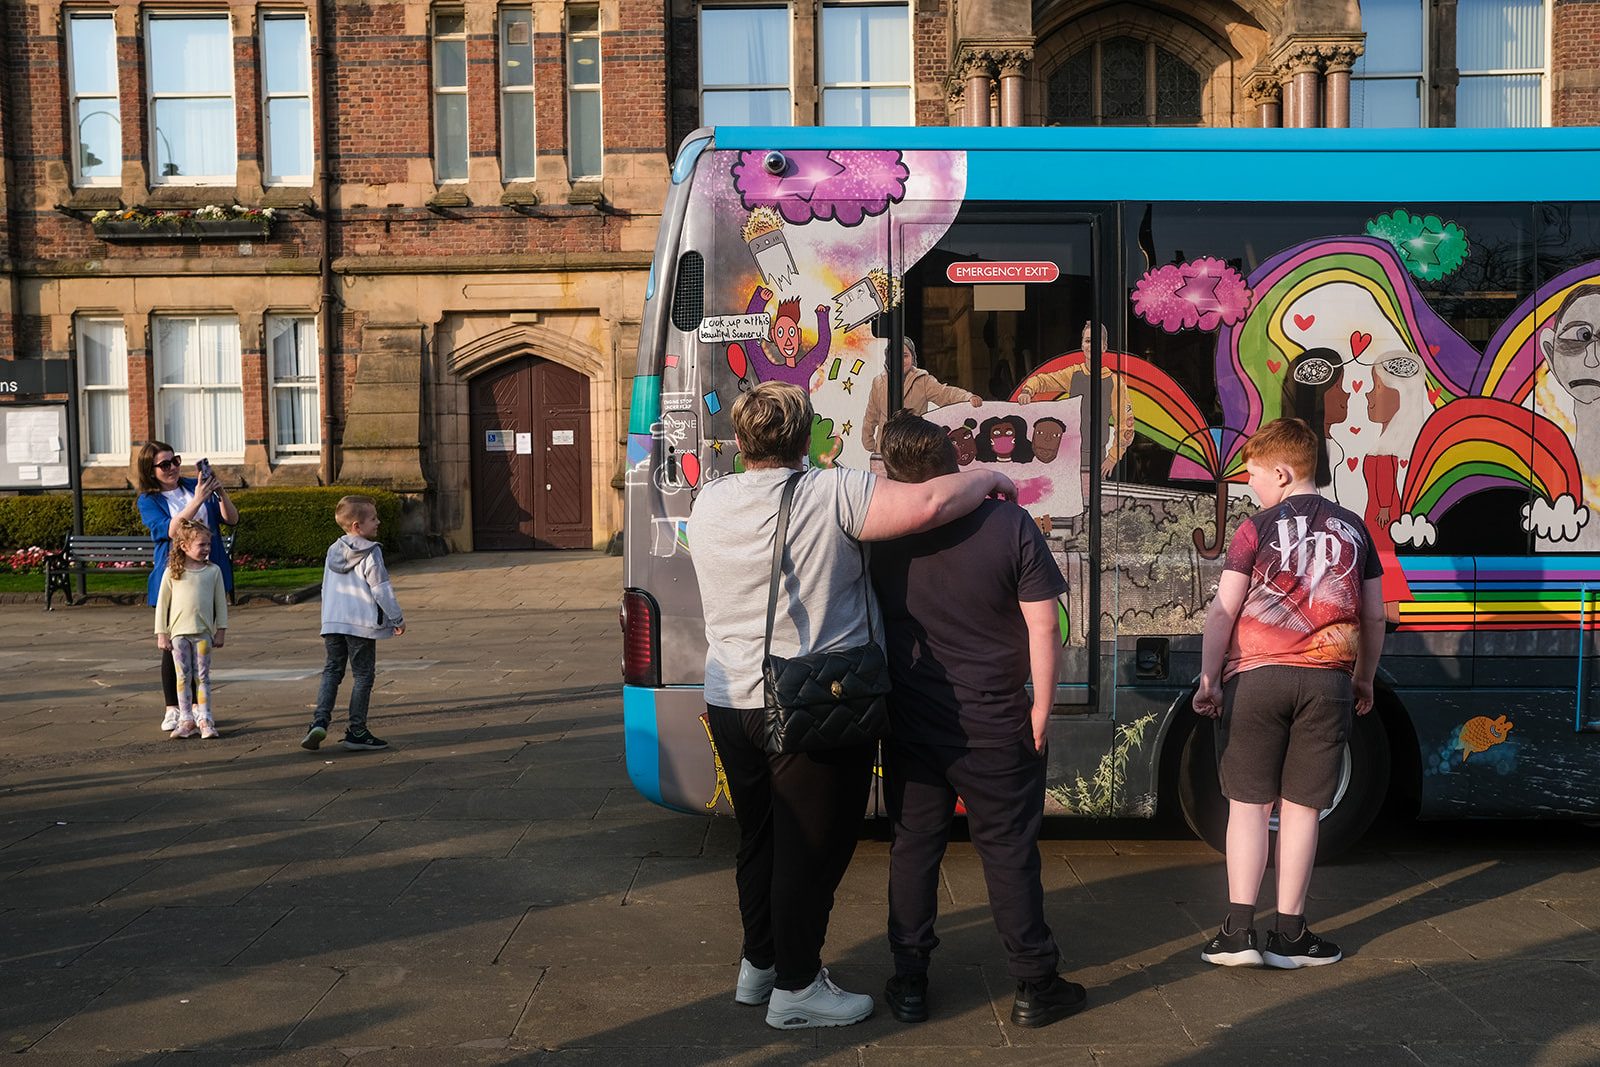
pixel 995 301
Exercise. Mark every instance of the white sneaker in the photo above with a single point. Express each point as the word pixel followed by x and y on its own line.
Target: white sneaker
pixel 820 1004
pixel 755 984
pixel 169 721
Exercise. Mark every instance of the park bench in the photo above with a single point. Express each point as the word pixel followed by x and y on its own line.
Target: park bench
pixel 135 554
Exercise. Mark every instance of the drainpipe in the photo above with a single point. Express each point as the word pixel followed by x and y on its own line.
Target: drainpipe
pixel 322 55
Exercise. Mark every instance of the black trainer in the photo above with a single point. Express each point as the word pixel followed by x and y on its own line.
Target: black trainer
pixel 362 741
pixel 1237 949
pixel 1043 1006
pixel 907 997
pixel 1308 950
pixel 314 738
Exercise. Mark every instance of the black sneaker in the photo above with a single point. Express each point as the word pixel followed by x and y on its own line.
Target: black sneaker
pixel 314 738
pixel 1237 949
pixel 1308 950
pixel 364 741
pixel 907 997
pixel 1041 1007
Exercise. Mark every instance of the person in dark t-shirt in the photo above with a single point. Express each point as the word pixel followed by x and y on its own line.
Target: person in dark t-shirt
pixel 1291 647
pixel 969 612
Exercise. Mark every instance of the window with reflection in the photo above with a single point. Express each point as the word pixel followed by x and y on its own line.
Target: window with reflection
pixel 1122 81
pixel 866 65
pixel 449 95
pixel 190 63
pixel 96 110
pixel 517 156
pixel 286 94
pixel 584 153
pixel 744 66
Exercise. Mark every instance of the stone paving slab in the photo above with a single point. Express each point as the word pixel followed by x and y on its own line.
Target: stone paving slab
pixel 491 890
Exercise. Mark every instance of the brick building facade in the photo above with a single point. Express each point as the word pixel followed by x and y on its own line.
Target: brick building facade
pixel 464 195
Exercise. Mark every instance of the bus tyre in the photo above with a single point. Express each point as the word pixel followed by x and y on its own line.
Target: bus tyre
pixel 1364 783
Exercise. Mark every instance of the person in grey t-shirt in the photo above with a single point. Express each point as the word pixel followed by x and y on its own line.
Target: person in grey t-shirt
pixel 798 814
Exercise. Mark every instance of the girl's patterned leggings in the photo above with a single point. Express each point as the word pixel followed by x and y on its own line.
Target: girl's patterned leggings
pixel 191 655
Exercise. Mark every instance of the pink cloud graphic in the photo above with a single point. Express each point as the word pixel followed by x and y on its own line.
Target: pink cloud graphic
pixel 841 185
pixel 1182 296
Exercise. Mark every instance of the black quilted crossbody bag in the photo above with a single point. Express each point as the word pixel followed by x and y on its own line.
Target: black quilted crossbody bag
pixel 821 700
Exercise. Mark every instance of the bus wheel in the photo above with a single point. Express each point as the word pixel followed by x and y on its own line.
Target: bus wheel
pixel 1363 782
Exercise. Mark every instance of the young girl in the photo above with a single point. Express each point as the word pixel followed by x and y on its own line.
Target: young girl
pixel 191 619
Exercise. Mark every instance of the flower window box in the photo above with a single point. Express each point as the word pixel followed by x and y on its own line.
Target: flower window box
pixel 214 223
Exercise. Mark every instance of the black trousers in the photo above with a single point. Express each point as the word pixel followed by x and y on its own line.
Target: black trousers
pixel 799 817
pixel 1003 789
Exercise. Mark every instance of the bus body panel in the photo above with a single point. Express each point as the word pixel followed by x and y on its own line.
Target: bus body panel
pixel 1403 290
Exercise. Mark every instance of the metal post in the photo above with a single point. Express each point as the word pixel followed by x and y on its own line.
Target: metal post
pixel 894 377
pixel 75 463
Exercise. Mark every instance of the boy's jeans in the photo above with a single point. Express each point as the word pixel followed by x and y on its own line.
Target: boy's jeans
pixel 362 652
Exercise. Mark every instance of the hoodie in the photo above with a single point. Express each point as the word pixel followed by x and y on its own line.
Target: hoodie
pixel 357 598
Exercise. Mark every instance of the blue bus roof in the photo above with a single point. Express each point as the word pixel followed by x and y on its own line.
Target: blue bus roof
pixel 1166 164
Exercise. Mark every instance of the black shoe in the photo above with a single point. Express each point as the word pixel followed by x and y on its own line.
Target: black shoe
pixel 1237 949
pixel 364 741
pixel 907 997
pixel 1308 950
pixel 314 738
pixel 1055 1001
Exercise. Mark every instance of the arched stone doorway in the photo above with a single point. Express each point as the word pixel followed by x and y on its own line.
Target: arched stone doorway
pixel 529 439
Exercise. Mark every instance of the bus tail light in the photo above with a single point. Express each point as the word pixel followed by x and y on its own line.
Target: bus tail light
pixel 641 639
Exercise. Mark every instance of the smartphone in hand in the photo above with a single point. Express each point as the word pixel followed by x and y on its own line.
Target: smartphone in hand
pixel 202 467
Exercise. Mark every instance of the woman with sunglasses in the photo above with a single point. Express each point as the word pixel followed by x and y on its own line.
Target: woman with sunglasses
pixel 166 499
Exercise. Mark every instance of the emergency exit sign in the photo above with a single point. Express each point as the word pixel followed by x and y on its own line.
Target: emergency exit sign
pixel 975 272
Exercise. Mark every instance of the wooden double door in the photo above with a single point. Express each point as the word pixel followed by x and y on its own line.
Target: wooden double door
pixel 530 457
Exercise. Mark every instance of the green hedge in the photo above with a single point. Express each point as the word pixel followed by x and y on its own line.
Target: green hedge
pixel 273 523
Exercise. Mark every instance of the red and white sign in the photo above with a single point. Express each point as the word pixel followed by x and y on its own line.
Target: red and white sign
pixel 977 272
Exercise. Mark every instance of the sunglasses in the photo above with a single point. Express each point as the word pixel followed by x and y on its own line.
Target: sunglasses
pixel 169 464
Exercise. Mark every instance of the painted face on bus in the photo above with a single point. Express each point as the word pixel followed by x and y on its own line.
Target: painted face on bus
pixel 1047 434
pixel 786 335
pixel 966 444
pixel 1572 345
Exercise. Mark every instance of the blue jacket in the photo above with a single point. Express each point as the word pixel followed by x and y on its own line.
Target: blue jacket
pixel 158 518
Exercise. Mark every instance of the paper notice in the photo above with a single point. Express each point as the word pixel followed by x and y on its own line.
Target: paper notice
pixel 525 444
pixel 32 436
pixel 55 475
pixel 28 473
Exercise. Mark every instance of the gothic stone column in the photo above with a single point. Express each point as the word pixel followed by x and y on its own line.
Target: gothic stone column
pixel 1013 63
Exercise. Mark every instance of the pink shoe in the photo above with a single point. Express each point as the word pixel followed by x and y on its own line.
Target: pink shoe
pixel 185 728
pixel 208 730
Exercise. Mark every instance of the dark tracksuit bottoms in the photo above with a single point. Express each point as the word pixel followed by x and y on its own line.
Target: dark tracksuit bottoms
pixel 1003 789
pixel 799 817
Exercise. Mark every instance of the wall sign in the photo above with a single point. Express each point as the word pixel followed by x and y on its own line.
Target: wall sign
pixel 498 441
pixel 561 437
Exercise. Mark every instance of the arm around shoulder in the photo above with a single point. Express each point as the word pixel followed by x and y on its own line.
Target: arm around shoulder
pixel 901 508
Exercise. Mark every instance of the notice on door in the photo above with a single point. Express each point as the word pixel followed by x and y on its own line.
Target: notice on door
pixel 561 437
pixel 524 444
pixel 498 441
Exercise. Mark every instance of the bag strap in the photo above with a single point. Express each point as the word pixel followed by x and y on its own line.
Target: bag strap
pixel 780 537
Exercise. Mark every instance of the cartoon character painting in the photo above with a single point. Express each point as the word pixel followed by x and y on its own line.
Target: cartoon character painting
pixel 787 360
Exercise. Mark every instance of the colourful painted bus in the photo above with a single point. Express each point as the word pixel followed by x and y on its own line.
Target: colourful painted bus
pixel 1114 311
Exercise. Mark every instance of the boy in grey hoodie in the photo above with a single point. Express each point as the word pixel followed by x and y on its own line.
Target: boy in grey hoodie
pixel 358 608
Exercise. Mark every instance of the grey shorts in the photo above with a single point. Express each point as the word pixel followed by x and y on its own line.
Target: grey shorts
pixel 1282 734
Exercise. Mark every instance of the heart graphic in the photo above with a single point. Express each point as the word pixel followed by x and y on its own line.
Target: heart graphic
pixel 1355 429
pixel 1351 463
pixel 1403 463
pixel 1355 387
pixel 1433 350
pixel 691 468
pixel 1304 321
pixel 1359 342
pixel 1433 394
pixel 1274 366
